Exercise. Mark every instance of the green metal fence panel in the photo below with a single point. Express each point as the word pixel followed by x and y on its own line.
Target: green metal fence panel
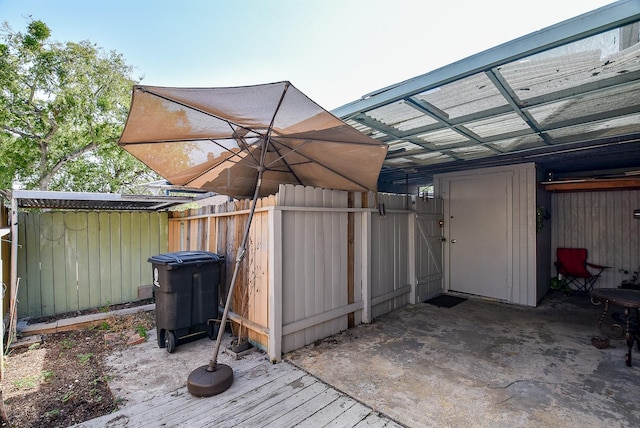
pixel 75 260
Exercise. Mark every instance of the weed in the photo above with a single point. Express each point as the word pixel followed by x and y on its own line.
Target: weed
pixel 104 326
pixel 142 331
pixel 105 308
pixel 31 382
pixel 52 413
pixel 67 344
pixel 34 346
pixel 85 357
pixel 47 375
pixel 101 379
pixel 67 396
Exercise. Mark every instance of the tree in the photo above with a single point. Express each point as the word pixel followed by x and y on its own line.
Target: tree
pixel 62 110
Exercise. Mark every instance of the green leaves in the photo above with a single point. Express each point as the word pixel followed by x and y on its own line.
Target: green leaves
pixel 62 109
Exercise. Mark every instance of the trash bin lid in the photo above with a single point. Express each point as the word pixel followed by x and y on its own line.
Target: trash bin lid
pixel 186 257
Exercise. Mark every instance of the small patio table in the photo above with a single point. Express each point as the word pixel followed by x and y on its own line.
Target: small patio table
pixel 628 299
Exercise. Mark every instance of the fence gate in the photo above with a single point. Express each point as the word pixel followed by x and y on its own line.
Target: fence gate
pixel 429 247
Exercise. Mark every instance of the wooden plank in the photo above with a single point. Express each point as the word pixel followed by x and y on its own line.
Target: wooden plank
pixel 29 233
pixel 248 377
pixel 308 259
pixel 69 220
pixel 320 318
pixel 59 263
pixel 154 236
pixel 46 264
pixel 332 257
pixel 116 261
pixel 372 420
pixel 254 401
pixel 93 254
pixel 129 286
pixel 329 413
pixel 258 406
pixel 592 184
pixel 145 248
pixel 315 198
pixel 140 269
pixel 275 285
pixel 289 405
pixel 82 257
pixel 351 417
pixel 105 258
pixel 350 257
pixel 302 412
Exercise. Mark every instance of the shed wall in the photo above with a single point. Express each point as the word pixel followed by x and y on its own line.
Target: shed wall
pixel 603 223
pixel 76 260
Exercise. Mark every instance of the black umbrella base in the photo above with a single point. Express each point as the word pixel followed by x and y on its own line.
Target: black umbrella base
pixel 205 383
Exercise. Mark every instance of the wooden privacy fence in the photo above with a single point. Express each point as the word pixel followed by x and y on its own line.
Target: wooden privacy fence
pixel 317 260
pixel 75 260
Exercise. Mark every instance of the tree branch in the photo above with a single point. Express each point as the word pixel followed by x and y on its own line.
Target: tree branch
pixel 45 180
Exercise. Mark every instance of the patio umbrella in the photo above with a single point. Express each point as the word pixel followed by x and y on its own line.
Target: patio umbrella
pixel 244 142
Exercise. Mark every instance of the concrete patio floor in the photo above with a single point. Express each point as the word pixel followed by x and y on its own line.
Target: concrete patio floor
pixel 484 364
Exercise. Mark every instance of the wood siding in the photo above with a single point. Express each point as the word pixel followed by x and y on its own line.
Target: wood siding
pixel 70 261
pixel 603 223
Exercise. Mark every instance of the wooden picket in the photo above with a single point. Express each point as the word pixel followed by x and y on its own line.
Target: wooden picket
pixel 316 260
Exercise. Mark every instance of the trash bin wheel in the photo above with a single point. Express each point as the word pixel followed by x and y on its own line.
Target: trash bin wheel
pixel 212 330
pixel 170 341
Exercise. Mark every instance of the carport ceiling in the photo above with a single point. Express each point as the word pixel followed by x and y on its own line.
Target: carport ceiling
pixel 566 97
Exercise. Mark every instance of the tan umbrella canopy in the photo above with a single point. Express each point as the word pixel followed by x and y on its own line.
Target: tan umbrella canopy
pixel 245 141
pixel 218 139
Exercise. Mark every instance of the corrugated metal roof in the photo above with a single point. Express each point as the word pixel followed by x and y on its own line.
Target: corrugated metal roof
pixel 95 201
pixel 567 97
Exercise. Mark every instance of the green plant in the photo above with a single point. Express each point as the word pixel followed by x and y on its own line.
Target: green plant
pixel 84 357
pixel 34 346
pixel 67 344
pixel 104 325
pixel 105 308
pixel 52 413
pixel 47 375
pixel 142 331
pixel 67 396
pixel 101 379
pixel 31 382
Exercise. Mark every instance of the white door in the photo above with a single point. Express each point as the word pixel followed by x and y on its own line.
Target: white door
pixel 477 241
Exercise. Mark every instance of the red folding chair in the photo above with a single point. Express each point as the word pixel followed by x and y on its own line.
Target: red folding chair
pixel 571 265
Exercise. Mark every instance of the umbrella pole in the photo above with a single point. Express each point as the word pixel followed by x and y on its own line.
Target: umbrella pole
pixel 236 269
pixel 215 378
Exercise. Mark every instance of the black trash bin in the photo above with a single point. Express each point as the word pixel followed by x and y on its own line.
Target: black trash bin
pixel 186 294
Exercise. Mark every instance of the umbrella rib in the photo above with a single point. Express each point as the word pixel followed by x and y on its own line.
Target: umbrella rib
pixel 325 140
pixel 311 160
pixel 180 103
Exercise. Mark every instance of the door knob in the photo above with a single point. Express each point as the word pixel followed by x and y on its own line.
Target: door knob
pixel 453 241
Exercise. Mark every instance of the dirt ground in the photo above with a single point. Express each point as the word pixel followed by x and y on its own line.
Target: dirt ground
pixel 64 379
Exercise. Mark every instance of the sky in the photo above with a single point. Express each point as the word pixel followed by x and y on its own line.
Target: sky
pixel 335 51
